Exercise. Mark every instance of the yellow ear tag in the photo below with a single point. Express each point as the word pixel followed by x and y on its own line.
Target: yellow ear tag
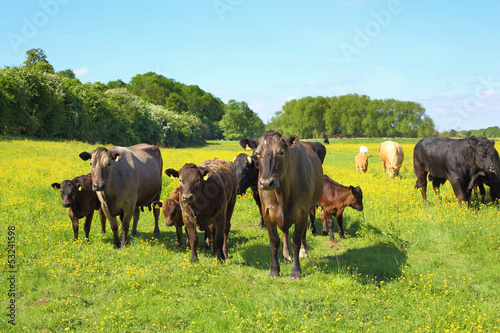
pixel 117 158
pixel 79 187
pixel 205 177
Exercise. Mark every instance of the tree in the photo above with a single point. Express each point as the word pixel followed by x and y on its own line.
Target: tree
pixel 239 121
pixel 37 58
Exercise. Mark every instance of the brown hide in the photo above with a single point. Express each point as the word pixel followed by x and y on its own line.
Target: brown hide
pixel 361 162
pixel 290 184
pixel 334 200
pixel 392 156
pixel 207 198
pixel 77 195
pixel 126 178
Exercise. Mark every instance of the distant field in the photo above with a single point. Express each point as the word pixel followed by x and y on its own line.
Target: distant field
pixel 404 266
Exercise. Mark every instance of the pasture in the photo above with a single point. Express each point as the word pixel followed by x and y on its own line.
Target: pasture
pixel 404 266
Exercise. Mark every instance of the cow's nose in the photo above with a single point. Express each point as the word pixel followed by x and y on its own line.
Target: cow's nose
pixel 66 204
pixel 492 169
pixel 269 183
pixel 98 187
pixel 187 198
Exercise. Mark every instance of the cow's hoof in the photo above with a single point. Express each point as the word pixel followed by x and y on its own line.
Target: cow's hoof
pixel 342 236
pixel 325 233
pixel 295 277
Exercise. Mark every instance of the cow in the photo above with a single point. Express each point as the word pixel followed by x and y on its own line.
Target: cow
pixel 290 184
pixel 461 162
pixel 126 178
pixel 207 197
pixel 478 181
pixel 334 199
pixel 247 172
pixel 392 156
pixel 361 162
pixel 173 217
pixel 81 201
pixel 363 150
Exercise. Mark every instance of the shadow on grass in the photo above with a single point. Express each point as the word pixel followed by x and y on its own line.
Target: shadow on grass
pixel 353 228
pixel 379 262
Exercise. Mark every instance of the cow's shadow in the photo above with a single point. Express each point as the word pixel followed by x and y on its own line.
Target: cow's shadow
pixel 353 228
pixel 372 264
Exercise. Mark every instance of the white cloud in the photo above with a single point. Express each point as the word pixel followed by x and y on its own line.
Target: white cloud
pixel 79 72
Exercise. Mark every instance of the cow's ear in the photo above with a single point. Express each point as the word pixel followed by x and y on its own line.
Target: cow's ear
pixel 157 204
pixel 472 142
pixel 85 156
pixel 252 144
pixel 292 141
pixel 351 188
pixel 172 173
pixel 204 173
pixel 56 185
pixel 115 156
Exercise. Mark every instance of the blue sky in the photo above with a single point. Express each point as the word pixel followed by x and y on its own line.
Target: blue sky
pixel 441 54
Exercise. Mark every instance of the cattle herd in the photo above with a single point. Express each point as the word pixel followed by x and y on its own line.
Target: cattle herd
pixel 287 182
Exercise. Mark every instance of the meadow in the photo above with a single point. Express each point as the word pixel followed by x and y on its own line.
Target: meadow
pixel 404 266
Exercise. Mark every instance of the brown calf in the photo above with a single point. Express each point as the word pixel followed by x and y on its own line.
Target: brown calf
pixel 81 201
pixel 335 199
pixel 173 217
pixel 361 162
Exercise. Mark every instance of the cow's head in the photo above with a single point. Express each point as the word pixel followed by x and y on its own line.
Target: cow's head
pixel 486 156
pixel 69 191
pixel 191 182
pixel 271 150
pixel 393 171
pixel 171 208
pixel 356 201
pixel 101 164
pixel 247 171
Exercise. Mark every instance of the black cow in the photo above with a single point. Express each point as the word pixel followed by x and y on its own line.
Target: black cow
pixel 77 195
pixel 461 162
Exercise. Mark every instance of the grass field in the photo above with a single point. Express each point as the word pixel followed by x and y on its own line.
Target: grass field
pixel 404 266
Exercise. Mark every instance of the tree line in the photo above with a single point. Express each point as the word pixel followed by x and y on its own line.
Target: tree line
pixel 37 101
pixel 352 116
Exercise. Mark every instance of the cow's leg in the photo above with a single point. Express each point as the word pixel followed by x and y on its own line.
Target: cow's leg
pixel 193 241
pixel 459 190
pixel 422 184
pixel 188 244
pixel 156 213
pixel 481 191
pixel 113 222
pixel 255 194
pixel 102 217
pixel 219 238
pixel 137 214
pixel 304 251
pixel 325 217
pixel 341 226
pixel 227 226
pixel 86 226
pixel 329 222
pixel 74 223
pixel 275 244
pixel 208 235
pixel 178 232
pixel 312 217
pixel 296 242
pixel 286 248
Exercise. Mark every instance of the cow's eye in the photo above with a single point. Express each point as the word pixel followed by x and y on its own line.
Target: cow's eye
pixel 91 164
pixel 281 152
pixel 180 181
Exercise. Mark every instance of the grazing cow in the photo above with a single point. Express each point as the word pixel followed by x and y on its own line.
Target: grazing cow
pixel 208 195
pixel 462 162
pixel 361 162
pixel 325 140
pixel 290 184
pixel 173 217
pixel 334 200
pixel 81 201
pixel 126 178
pixel 363 150
pixel 391 155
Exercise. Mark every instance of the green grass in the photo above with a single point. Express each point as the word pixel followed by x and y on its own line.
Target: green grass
pixel 405 266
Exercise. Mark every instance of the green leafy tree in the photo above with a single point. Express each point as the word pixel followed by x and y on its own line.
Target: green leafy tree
pixel 239 121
